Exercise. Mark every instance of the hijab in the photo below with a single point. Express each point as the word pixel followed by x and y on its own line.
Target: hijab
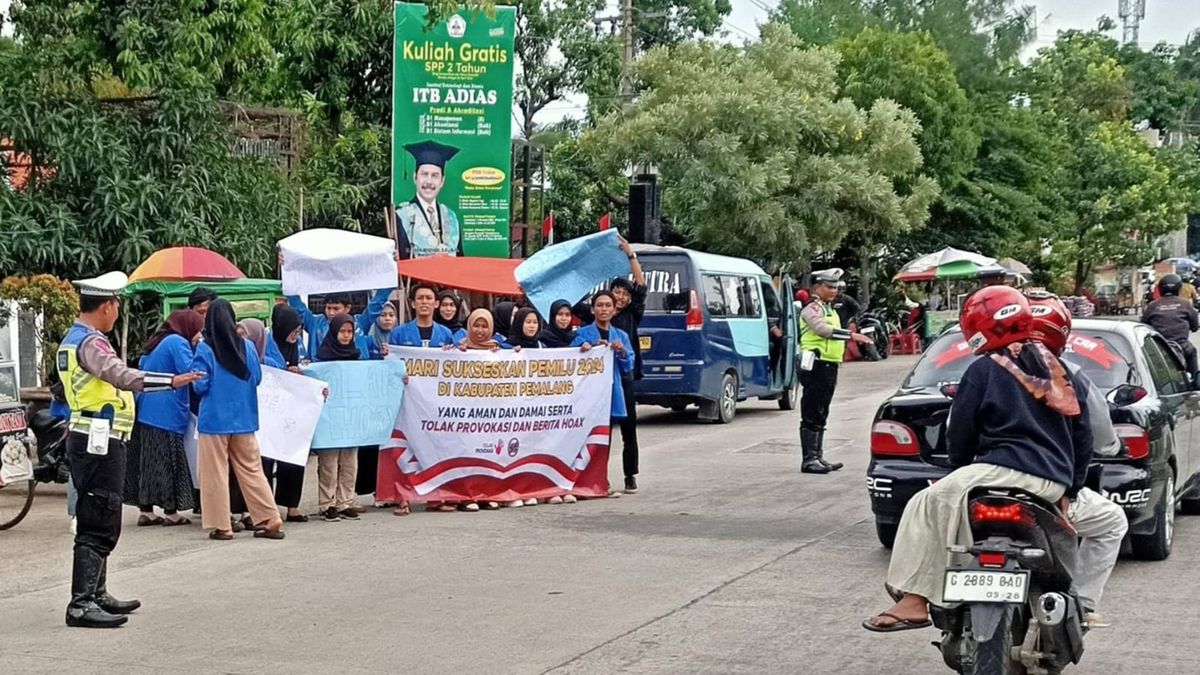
pixel 453 324
pixel 331 348
pixel 502 317
pixel 182 322
pixel 477 314
pixel 378 333
pixel 552 335
pixel 284 321
pixel 517 335
pixel 220 334
pixel 256 332
pixel 1041 374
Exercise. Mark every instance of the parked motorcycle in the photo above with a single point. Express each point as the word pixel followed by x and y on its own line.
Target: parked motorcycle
pixel 868 323
pixel 1010 609
pixel 50 434
pixel 33 449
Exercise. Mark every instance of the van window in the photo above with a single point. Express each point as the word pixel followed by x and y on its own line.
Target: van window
pixel 732 297
pixel 714 297
pixel 666 275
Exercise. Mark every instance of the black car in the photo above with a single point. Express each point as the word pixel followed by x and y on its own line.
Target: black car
pixel 1155 409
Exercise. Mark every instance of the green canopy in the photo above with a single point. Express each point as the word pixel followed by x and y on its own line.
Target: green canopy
pixel 172 288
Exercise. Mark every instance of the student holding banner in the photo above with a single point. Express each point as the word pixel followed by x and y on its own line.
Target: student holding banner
pixel 422 331
pixel 317 326
pixel 560 330
pixel 602 332
pixel 286 479
pixel 450 314
pixel 337 468
pixel 526 330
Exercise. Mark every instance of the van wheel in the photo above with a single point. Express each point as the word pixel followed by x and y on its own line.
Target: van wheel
pixel 791 396
pixel 1157 544
pixel 727 404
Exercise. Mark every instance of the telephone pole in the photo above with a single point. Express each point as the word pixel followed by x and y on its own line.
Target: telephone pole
pixel 627 63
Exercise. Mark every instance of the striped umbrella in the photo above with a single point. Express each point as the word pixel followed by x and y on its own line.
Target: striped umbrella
pixel 949 263
pixel 186 263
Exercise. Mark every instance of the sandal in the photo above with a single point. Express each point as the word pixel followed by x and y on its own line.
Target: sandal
pixel 298 518
pixel 899 625
pixel 402 510
pixel 268 534
pixel 220 535
pixel 147 521
pixel 168 522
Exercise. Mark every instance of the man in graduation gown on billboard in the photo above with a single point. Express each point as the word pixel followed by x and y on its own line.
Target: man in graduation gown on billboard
pixel 425 226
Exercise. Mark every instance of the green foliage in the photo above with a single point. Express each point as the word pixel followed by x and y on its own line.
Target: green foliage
pixel 54 299
pixel 758 157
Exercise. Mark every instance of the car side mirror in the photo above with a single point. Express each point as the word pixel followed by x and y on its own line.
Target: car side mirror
pixel 678 302
pixel 1126 394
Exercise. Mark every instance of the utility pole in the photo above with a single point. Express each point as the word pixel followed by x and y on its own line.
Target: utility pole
pixel 627 63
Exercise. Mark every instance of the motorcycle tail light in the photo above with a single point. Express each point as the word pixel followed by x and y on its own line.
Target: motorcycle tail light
pixel 893 439
pixel 992 559
pixel 1134 439
pixel 1014 513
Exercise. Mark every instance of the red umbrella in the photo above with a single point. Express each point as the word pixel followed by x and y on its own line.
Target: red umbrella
pixel 186 263
pixel 484 275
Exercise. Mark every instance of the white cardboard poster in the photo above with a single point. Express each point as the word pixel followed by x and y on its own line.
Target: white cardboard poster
pixel 289 406
pixel 331 261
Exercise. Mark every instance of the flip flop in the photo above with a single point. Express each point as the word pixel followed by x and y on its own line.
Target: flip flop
pixel 900 625
pixel 167 522
pixel 147 521
pixel 268 534
pixel 220 535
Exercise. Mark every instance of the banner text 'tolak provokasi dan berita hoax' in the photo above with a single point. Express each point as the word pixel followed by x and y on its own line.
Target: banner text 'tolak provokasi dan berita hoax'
pixel 451 131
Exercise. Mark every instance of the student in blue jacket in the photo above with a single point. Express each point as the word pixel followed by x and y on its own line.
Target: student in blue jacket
pixel 316 326
pixel 422 331
pixel 450 314
pixel 601 332
pixel 227 421
pixel 157 472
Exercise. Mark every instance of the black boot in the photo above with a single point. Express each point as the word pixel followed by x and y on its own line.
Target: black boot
pixel 810 448
pixel 107 602
pixel 83 612
pixel 833 466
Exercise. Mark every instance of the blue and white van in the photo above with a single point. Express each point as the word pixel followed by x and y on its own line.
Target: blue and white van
pixel 706 335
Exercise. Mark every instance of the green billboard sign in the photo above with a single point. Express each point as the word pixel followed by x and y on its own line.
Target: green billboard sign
pixel 451 132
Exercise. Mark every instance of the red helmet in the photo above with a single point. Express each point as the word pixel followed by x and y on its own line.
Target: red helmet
pixel 1051 320
pixel 995 317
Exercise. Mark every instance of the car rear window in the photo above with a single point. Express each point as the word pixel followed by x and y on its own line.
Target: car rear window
pixel 666 275
pixel 1103 356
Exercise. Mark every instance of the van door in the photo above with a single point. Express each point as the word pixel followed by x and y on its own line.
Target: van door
pixel 777 318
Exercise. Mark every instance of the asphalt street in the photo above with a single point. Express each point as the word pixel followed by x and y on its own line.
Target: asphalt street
pixel 728 561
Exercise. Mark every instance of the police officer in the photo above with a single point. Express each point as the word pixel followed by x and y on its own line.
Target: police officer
pixel 98 388
pixel 1174 317
pixel 822 334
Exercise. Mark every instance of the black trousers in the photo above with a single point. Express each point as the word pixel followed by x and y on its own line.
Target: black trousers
pixel 286 480
pixel 368 470
pixel 100 481
pixel 629 453
pixel 818 384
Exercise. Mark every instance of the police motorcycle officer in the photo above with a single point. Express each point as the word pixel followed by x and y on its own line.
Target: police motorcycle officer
pixel 823 346
pixel 99 389
pixel 1175 318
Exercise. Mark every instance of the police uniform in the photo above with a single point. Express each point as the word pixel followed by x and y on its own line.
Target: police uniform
pixel 821 332
pixel 428 229
pixel 99 389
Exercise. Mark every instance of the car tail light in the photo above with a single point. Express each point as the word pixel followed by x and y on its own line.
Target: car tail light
pixel 695 315
pixel 1017 514
pixel 893 439
pixel 993 559
pixel 1134 439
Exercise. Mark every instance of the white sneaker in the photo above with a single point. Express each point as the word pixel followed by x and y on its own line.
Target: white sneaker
pixel 471 507
pixel 531 502
pixel 74 525
pixel 569 499
pixel 515 503
pixel 555 500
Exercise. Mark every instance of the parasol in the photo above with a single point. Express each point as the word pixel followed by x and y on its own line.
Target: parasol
pixel 949 263
pixel 186 263
pixel 1015 267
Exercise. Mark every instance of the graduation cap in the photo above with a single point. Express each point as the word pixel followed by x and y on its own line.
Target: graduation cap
pixel 431 152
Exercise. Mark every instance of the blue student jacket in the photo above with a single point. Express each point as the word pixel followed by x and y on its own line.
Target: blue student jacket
pixel 228 404
pixel 460 335
pixel 316 325
pixel 166 410
pixel 408 335
pixel 367 349
pixel 621 365
pixel 273 357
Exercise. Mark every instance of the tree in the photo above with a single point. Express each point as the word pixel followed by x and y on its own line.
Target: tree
pixel 792 171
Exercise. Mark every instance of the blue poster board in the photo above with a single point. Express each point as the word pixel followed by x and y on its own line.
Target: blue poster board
pixel 364 399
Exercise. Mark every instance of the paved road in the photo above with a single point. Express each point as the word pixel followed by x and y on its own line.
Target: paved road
pixel 729 561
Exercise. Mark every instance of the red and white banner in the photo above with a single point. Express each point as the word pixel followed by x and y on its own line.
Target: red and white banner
pixel 500 426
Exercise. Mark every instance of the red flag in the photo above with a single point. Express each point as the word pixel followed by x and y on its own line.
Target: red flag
pixel 548 229
pixel 605 221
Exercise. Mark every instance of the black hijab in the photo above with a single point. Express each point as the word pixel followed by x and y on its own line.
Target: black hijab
pixel 517 336
pixel 453 324
pixel 502 314
pixel 331 348
pixel 552 335
pixel 220 334
pixel 285 320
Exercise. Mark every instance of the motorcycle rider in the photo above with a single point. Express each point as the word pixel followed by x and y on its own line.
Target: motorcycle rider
pixel 1100 523
pixel 1018 419
pixel 1175 318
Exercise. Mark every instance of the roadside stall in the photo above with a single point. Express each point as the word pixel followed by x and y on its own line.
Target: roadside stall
pixel 942 272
